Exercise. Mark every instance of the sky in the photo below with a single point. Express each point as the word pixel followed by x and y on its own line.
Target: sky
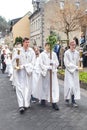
pixel 11 9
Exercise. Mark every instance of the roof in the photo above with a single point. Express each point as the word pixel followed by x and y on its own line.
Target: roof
pixel 14 21
pixel 33 14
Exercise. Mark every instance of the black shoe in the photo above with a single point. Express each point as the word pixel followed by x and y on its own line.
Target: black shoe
pixel 21 110
pixel 67 102
pixel 2 72
pixel 43 102
pixel 72 99
pixel 55 106
pixel 26 108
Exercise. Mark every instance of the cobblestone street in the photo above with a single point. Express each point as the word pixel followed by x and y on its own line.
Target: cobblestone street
pixel 37 117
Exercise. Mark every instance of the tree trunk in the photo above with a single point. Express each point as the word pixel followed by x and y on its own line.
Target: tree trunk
pixel 67 34
pixel 62 56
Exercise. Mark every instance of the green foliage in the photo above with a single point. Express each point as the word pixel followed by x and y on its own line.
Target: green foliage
pixel 18 40
pixel 3 25
pixel 82 75
pixel 61 71
pixel 52 39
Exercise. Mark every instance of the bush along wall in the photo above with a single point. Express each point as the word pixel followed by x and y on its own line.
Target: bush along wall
pixel 82 77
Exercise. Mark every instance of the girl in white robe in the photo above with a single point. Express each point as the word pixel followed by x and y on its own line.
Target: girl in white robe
pixel 9 65
pixel 36 76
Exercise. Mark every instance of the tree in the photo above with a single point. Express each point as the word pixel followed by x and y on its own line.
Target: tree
pixel 4 26
pixel 68 18
pixel 18 40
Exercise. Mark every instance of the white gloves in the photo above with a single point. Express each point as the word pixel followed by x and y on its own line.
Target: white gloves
pixel 26 65
pixel 50 67
pixel 81 59
pixel 77 68
pixel 21 66
pixel 51 61
pixel 17 57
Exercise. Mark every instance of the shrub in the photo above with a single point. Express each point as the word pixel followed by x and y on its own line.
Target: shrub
pixel 82 75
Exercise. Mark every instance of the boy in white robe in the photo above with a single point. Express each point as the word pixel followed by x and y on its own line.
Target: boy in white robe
pixel 23 75
pixel 45 66
pixel 71 81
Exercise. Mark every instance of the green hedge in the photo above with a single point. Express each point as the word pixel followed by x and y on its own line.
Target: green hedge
pixel 82 75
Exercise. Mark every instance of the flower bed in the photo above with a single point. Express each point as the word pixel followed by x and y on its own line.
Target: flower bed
pixel 82 77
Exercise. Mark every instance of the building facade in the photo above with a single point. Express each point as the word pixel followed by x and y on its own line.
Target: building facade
pixel 41 21
pixel 20 27
pixel 37 23
pixel 36 31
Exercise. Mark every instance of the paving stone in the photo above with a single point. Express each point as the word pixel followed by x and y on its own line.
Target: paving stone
pixel 37 117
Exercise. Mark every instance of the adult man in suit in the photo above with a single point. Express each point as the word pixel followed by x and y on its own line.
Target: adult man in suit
pixel 57 50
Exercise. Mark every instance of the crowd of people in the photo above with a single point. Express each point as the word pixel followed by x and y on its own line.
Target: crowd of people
pixel 6 57
pixel 30 69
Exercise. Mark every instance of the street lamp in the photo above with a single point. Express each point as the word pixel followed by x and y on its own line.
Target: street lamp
pixel 61 4
pixel 77 3
pixel 86 25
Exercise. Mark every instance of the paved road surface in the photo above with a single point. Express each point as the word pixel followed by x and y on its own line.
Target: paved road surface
pixel 38 118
